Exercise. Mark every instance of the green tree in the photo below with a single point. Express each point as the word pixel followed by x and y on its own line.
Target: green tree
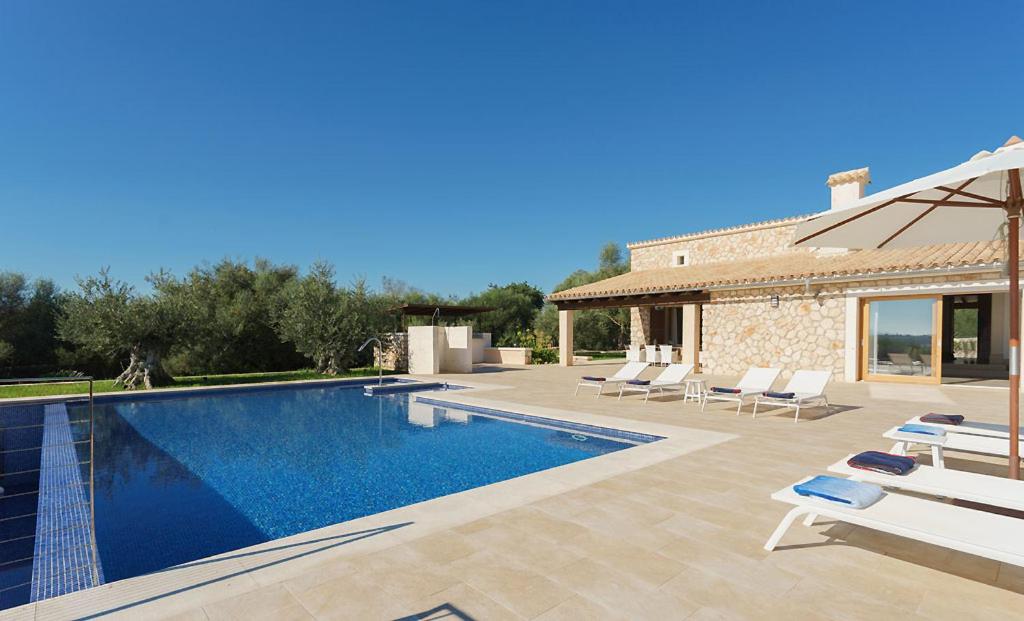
pixel 595 329
pixel 327 323
pixel 28 317
pixel 111 320
pixel 515 308
pixel 232 306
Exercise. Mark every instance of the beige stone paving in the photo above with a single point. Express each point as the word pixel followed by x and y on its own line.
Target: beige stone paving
pixel 678 538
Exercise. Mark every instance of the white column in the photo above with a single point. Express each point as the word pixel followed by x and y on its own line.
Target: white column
pixel 691 335
pixel 565 345
pixel 851 351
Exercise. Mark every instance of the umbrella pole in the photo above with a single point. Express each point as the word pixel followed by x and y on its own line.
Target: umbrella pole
pixel 1013 213
pixel 1014 218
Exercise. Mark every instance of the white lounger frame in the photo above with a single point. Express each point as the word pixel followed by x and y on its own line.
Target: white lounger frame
pixel 982 445
pixel 669 379
pixel 631 370
pixel 988 535
pixel 755 381
pixel 989 490
pixel 809 389
pixel 991 430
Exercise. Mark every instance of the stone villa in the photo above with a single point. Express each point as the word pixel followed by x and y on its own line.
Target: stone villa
pixel 741 296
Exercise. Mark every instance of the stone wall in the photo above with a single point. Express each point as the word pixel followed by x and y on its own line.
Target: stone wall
pixel 740 329
pixel 743 243
pixel 639 325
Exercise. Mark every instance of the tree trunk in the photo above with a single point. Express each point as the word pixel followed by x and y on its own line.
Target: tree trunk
pixel 143 368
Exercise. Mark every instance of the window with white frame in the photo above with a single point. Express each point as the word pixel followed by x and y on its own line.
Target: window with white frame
pixel 680 258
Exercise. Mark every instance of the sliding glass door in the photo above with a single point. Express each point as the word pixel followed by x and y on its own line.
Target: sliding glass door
pixel 902 339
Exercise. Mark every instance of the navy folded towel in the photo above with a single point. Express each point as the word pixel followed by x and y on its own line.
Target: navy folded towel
pixel 638 382
pixel 844 491
pixel 942 419
pixel 878 461
pixel 593 378
pixel 779 395
pixel 730 391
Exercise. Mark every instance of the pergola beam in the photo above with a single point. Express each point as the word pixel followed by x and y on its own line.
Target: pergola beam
pixel 628 301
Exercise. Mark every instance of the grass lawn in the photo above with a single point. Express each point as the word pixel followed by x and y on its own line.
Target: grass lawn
pixel 602 355
pixel 74 388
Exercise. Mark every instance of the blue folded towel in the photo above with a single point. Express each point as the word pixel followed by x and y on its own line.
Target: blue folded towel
pixel 593 378
pixel 728 391
pixel 844 491
pixel 779 395
pixel 638 382
pixel 886 463
pixel 924 430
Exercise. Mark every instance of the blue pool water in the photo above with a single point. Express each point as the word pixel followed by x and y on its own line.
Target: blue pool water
pixel 182 478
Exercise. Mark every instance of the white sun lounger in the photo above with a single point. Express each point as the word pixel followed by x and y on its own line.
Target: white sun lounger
pixel 992 430
pixel 989 490
pixel 754 382
pixel 988 535
pixel 808 388
pixel 631 370
pixel 669 379
pixel 998 447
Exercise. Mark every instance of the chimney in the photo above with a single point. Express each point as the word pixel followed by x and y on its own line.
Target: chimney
pixel 848 186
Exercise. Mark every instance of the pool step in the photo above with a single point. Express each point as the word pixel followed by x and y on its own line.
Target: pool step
pixel 63 561
pixel 371 390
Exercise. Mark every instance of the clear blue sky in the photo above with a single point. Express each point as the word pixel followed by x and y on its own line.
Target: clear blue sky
pixel 454 144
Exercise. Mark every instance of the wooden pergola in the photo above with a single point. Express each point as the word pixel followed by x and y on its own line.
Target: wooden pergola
pixel 639 299
pixel 566 307
pixel 443 310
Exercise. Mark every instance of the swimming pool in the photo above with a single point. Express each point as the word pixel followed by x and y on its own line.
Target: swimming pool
pixel 186 477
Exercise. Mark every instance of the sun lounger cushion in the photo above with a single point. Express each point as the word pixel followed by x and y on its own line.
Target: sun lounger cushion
pixel 728 391
pixel 593 378
pixel 886 463
pixel 925 430
pixel 639 382
pixel 942 419
pixel 843 491
pixel 779 395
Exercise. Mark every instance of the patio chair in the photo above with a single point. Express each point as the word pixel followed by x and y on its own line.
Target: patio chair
pixel 671 378
pixel 667 355
pixel 989 535
pixel 756 381
pixel 904 361
pixel 939 444
pixel 989 490
pixel 803 389
pixel 633 354
pixel 991 430
pixel 631 370
pixel 652 354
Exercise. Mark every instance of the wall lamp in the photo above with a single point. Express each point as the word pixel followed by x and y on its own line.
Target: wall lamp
pixel 775 301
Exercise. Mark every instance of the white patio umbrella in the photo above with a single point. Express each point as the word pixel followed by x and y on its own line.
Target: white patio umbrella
pixel 979 200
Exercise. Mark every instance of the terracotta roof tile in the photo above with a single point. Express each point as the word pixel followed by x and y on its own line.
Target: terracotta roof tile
pixel 790 266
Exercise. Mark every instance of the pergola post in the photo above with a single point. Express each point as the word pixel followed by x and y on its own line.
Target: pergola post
pixel 565 344
pixel 691 336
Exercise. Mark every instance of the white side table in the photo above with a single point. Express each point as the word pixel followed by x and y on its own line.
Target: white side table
pixel 695 389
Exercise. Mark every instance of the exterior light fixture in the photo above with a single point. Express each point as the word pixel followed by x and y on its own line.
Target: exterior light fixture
pixel 775 301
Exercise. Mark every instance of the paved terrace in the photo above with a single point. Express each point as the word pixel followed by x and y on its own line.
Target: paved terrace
pixel 663 537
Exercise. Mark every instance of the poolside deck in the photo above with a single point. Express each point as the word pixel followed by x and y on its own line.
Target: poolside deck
pixel 670 534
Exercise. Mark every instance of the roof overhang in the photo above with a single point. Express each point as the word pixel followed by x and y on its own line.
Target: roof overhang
pixel 643 299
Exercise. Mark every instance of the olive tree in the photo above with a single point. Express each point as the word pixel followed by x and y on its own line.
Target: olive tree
pixel 604 328
pixel 232 329
pixel 109 319
pixel 328 323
